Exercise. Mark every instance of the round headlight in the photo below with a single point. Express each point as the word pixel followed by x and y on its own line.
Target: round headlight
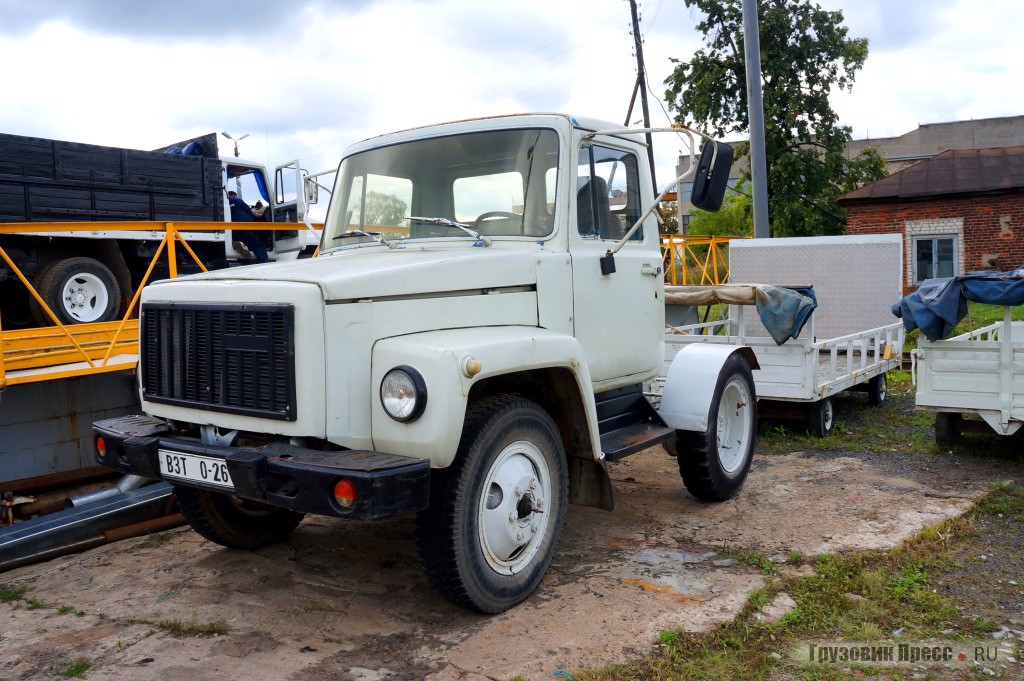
pixel 403 394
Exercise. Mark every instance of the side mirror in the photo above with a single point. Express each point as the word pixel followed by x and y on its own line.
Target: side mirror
pixel 712 175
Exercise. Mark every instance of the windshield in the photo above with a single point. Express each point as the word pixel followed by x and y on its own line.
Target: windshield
pixel 498 184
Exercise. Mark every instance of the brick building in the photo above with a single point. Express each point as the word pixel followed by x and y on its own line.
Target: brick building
pixel 960 211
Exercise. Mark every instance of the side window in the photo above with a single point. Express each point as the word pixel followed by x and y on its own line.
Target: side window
pixel 607 193
pixel 380 204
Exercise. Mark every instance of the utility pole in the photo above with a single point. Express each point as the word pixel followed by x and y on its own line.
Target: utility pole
pixel 641 86
pixel 755 114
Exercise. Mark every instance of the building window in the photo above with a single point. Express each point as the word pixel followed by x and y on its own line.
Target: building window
pixel 935 257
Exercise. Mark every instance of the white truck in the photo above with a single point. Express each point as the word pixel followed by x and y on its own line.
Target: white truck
pixel 471 344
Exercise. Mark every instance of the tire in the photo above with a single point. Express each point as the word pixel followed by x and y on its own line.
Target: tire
pixel 78 290
pixel 947 427
pixel 715 464
pixel 232 522
pixel 822 417
pixel 497 512
pixel 877 390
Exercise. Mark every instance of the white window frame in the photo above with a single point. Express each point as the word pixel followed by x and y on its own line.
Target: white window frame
pixel 938 228
pixel 955 238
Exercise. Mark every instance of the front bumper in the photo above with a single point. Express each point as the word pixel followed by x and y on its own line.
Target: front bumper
pixel 277 474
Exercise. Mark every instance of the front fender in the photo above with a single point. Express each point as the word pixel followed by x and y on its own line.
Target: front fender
pixel 690 383
pixel 441 357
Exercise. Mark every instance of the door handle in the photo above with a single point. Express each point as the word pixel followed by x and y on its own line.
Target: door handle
pixel 650 270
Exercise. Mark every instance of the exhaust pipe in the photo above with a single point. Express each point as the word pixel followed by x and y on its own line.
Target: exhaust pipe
pixel 125 484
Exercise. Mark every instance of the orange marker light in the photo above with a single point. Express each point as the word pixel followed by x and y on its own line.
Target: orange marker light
pixel 345 493
pixel 101 447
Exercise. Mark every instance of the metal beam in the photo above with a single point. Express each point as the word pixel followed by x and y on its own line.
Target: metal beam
pixel 755 114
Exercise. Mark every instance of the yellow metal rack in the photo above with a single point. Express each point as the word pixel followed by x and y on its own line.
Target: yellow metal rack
pixel 67 350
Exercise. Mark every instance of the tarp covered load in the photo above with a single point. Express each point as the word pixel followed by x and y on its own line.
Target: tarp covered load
pixel 783 311
pixel 939 304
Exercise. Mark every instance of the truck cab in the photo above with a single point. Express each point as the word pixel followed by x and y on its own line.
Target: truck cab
pixel 471 344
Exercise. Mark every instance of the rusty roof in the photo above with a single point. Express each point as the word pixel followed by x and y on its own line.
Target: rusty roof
pixel 957 171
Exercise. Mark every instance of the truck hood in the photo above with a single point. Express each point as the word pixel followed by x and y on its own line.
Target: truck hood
pixel 380 272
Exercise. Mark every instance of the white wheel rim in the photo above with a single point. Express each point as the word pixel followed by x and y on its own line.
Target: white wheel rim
pixel 881 387
pixel 827 420
pixel 513 511
pixel 733 427
pixel 84 297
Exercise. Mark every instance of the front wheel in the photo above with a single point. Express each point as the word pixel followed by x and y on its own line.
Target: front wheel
pixel 822 417
pixel 496 513
pixel 715 464
pixel 233 522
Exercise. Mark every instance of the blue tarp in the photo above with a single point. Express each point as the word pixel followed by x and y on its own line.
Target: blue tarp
pixel 939 304
pixel 784 311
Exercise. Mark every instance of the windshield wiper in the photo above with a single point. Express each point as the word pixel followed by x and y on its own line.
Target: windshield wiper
pixel 358 232
pixel 445 222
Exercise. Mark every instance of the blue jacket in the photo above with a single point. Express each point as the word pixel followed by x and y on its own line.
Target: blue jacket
pixel 240 211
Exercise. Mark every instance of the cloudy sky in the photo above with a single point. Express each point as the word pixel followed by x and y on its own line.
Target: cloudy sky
pixel 305 78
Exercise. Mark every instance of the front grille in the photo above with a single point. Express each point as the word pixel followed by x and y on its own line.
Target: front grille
pixel 238 359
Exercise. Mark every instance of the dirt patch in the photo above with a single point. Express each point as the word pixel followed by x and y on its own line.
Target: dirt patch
pixel 345 600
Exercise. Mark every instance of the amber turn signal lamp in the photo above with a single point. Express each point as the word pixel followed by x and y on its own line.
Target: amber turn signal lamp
pixel 101 447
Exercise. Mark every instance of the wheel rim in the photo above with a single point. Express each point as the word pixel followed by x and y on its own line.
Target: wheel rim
pixel 512 516
pixel 826 415
pixel 881 387
pixel 733 426
pixel 85 297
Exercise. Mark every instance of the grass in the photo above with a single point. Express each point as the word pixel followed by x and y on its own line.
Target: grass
pixel 179 628
pixel 10 593
pixel 858 428
pixel 35 604
pixel 864 597
pixel 318 607
pixel 76 669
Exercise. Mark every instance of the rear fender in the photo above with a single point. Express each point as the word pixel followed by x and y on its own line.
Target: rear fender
pixel 690 383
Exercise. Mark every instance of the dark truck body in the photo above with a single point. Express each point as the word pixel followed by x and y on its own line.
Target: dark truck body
pixel 45 180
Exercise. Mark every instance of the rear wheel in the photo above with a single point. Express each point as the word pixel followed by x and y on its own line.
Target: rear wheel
pixel 78 291
pixel 877 390
pixel 496 513
pixel 233 522
pixel 947 427
pixel 715 464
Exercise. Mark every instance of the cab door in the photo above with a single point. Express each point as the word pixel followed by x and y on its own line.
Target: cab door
pixel 618 317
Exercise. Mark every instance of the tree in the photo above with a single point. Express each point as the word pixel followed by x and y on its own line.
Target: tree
pixel 669 211
pixel 736 217
pixel 384 209
pixel 805 53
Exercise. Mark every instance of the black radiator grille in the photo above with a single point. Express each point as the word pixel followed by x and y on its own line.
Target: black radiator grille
pixel 231 358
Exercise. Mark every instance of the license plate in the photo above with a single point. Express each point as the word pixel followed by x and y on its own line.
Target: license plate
pixel 197 468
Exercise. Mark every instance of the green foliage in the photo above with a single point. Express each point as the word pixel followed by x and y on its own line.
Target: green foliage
pixel 736 217
pixel 74 669
pixel 669 212
pixel 805 54
pixel 11 593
